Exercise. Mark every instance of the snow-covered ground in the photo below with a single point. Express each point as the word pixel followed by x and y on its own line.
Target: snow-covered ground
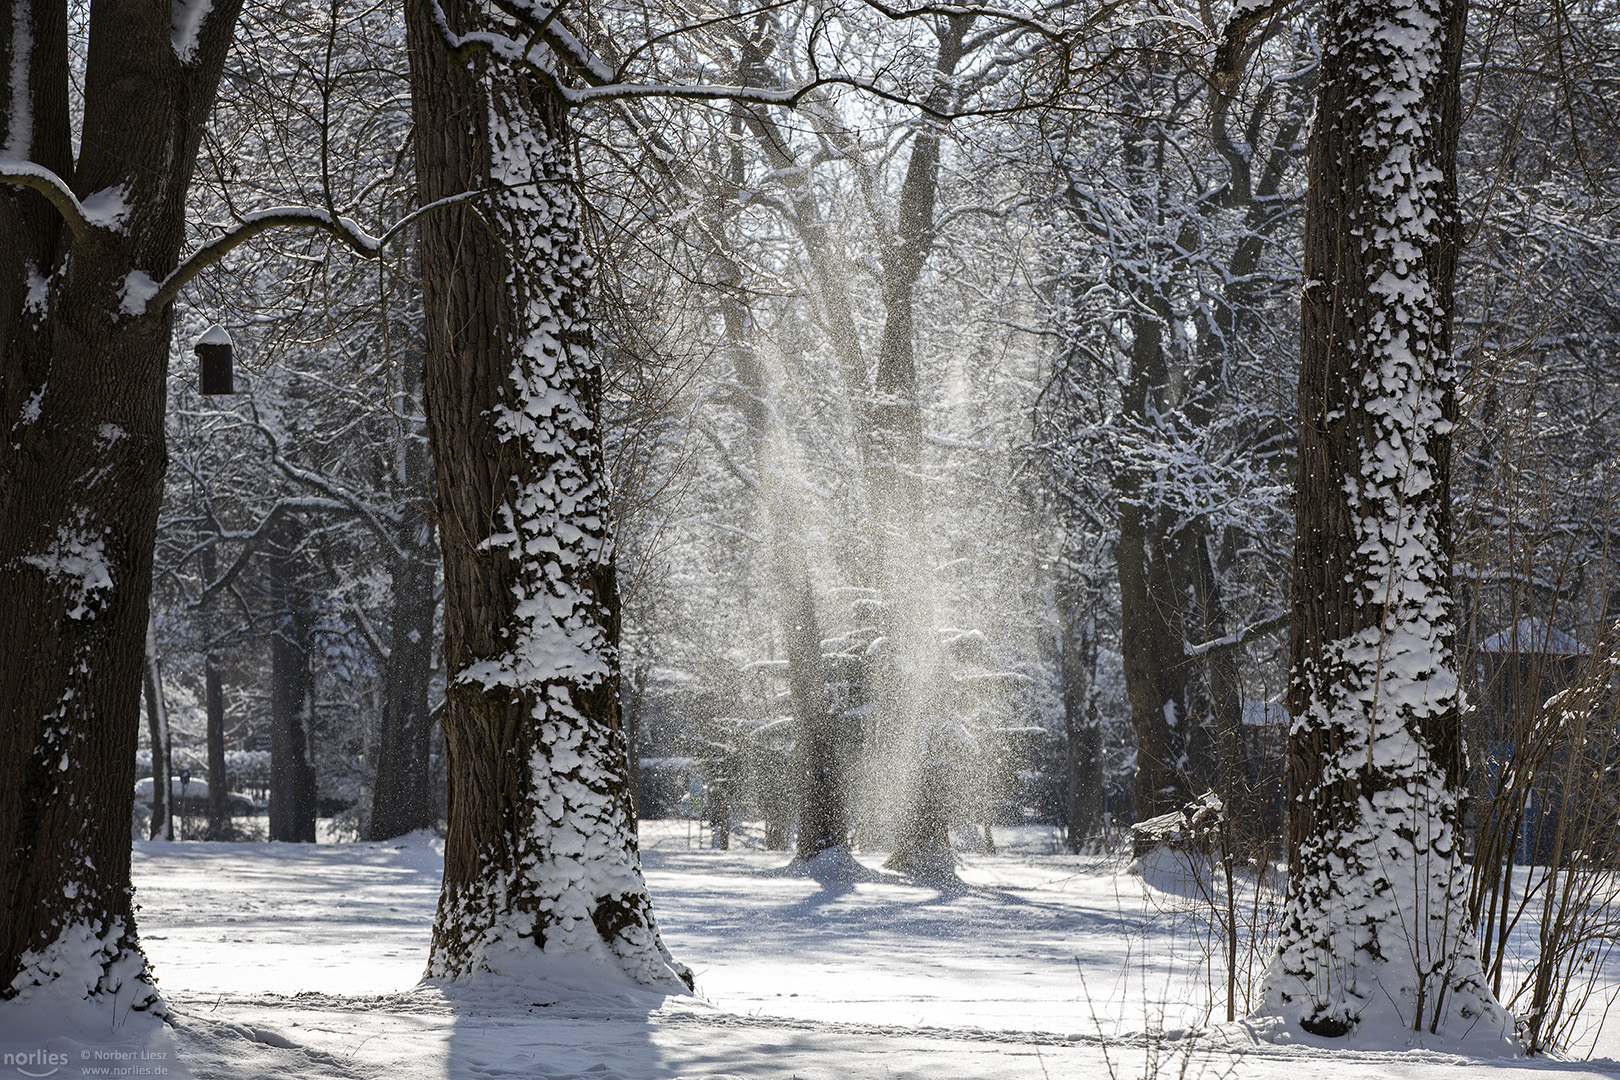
pixel 302 961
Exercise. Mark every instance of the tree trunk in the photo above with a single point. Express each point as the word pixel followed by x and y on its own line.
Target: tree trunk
pixel 899 524
pixel 219 814
pixel 403 798
pixel 292 700
pixel 1375 928
pixel 1083 753
pixel 822 773
pixel 1214 693
pixel 541 857
pixel 157 723
pixel 1155 670
pixel 718 803
pixel 82 393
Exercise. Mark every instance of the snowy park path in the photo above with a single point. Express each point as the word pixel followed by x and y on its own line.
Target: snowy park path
pixel 299 961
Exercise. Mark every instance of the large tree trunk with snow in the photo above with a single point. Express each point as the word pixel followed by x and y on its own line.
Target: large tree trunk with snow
pixel 83 371
pixel 1375 930
pixel 541 860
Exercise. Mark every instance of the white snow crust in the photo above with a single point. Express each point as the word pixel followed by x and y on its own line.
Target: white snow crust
pixel 139 288
pixel 302 961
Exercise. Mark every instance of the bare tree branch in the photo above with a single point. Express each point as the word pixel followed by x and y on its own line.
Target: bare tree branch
pixel 605 84
pixel 957 11
pixel 1231 54
pixel 252 224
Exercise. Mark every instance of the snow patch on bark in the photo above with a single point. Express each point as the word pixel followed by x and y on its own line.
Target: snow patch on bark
pixel 39 291
pixel 33 406
pixel 185 23
pixel 107 208
pixel 137 290
pixel 20 121
pixel 78 560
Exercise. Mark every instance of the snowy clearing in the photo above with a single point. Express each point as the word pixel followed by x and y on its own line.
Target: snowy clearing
pixel 302 961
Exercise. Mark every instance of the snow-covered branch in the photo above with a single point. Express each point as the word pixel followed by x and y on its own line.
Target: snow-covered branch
pixel 281 217
pixel 1236 639
pixel 748 479
pixel 255 538
pixel 38 178
pixel 369 632
pixel 1237 40
pixel 961 11
pixel 339 495
pixel 359 241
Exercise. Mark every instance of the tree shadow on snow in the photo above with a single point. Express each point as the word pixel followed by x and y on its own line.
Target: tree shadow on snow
pixel 590 1026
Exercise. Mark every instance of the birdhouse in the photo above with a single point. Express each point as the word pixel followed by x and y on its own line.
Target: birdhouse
pixel 214 362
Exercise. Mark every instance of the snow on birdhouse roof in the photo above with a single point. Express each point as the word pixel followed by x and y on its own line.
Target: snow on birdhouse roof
pixel 215 335
pixel 1531 635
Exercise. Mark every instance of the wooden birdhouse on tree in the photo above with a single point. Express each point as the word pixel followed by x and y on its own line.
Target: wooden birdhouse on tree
pixel 214 358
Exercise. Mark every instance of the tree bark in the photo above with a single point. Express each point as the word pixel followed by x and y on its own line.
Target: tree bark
pixel 899 501
pixel 1151 595
pixel 822 774
pixel 541 859
pixel 1155 671
pixel 82 394
pixel 1375 927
